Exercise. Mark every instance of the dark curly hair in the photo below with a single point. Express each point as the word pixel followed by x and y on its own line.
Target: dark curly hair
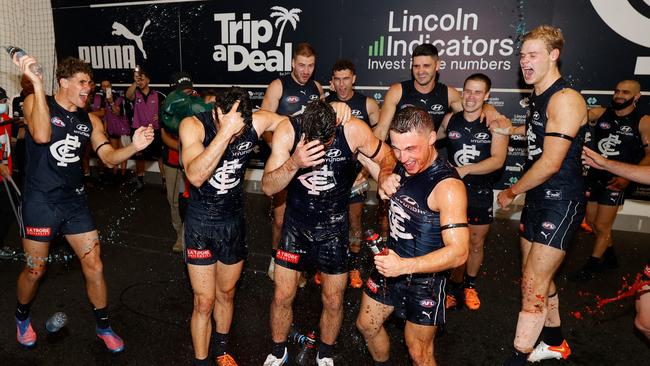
pixel 227 99
pixel 70 66
pixel 318 121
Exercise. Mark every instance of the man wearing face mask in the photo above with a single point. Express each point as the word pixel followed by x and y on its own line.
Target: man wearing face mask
pixel 622 134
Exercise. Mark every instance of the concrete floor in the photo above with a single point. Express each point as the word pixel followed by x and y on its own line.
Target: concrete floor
pixel 151 301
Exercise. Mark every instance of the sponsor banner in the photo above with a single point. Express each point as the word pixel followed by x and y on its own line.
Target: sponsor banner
pixel 223 43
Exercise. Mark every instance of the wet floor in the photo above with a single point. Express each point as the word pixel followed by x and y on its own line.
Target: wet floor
pixel 151 301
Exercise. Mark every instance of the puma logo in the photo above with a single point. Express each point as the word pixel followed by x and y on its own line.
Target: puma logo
pixel 428 314
pixel 121 30
pixel 424 101
pixel 545 234
pixel 468 129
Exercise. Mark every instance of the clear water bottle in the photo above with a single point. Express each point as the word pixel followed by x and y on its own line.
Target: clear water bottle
pixel 56 322
pixel 36 68
pixel 306 355
pixel 297 338
pixel 359 189
pixel 375 242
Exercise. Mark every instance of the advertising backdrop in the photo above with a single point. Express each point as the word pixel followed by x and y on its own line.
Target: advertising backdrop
pixel 225 43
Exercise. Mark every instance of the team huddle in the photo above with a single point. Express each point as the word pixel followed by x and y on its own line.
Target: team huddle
pixel 436 155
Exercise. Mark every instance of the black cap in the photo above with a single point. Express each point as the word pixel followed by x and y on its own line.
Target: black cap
pixel 181 80
pixel 3 94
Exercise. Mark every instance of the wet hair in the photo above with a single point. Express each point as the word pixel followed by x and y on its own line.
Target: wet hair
pixel 318 121
pixel 70 66
pixel 425 49
pixel 551 36
pixel 411 119
pixel 304 49
pixel 209 93
pixel 343 64
pixel 480 77
pixel 227 99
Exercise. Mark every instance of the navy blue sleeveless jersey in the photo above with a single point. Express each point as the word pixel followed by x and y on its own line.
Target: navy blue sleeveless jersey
pixel 617 138
pixel 568 182
pixel 436 102
pixel 53 170
pixel 414 228
pixel 357 104
pixel 295 96
pixel 223 192
pixel 470 143
pixel 318 194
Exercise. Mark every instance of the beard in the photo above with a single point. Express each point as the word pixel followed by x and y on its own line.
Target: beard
pixel 618 106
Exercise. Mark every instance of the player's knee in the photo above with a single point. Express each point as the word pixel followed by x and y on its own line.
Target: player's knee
pixel 34 273
pixel 225 295
pixel 642 323
pixel 332 301
pixel 420 353
pixel 602 228
pixel 204 304
pixel 92 266
pixel 367 327
pixel 282 297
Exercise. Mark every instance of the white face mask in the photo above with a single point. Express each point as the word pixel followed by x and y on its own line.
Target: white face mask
pixel 3 108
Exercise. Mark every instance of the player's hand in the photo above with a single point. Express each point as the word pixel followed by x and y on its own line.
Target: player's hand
pixel 4 171
pixel 593 159
pixel 391 264
pixel 388 185
pixel 343 112
pixel 230 124
pixel 617 184
pixel 489 115
pixel 505 198
pixel 143 137
pixel 308 154
pixel 24 64
pixel 360 179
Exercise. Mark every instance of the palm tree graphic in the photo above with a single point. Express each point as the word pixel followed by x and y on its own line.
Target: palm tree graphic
pixel 285 16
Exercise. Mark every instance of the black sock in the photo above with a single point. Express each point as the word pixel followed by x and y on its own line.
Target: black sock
pixel 470 281
pixel 141 178
pixel 353 261
pixel 278 349
pixel 220 343
pixel 517 359
pixel 453 288
pixel 203 362
pixel 553 336
pixel 384 363
pixel 22 311
pixel 325 350
pixel 101 317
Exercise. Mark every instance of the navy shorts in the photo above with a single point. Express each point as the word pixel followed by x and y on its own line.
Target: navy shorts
pixel 208 239
pixel 42 221
pixel 598 192
pixel 420 298
pixel 311 248
pixel 479 205
pixel 552 223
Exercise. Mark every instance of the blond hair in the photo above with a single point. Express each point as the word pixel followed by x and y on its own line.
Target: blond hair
pixel 551 36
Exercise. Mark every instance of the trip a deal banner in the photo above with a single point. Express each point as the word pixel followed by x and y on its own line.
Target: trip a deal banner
pixel 226 43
